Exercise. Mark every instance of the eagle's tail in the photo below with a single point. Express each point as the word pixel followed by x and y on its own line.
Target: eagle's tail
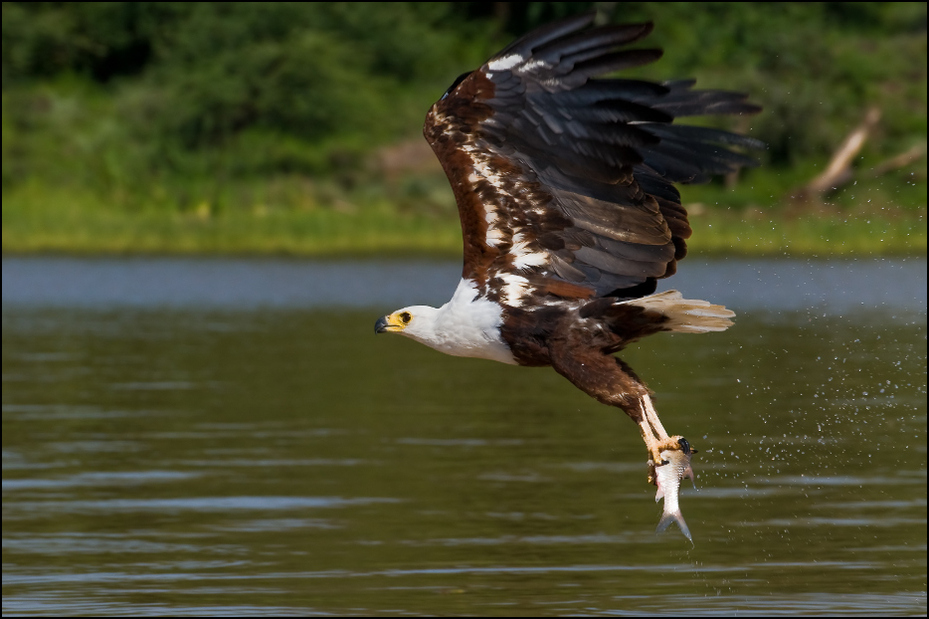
pixel 687 315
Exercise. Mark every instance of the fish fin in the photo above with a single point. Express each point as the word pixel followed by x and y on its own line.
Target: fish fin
pixel 668 517
pixel 659 495
pixel 689 474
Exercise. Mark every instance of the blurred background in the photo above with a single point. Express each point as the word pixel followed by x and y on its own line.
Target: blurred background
pixel 198 199
pixel 296 128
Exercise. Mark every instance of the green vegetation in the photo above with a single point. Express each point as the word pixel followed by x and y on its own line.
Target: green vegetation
pixel 279 127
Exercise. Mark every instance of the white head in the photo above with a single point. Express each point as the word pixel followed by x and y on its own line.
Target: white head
pixel 416 322
pixel 466 326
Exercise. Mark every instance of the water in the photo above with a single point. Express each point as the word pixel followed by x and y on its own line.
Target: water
pixel 230 437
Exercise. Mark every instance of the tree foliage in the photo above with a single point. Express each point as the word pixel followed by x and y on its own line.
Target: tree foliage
pixel 208 71
pixel 128 89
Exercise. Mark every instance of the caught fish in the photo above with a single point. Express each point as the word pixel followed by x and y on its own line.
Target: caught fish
pixel 667 476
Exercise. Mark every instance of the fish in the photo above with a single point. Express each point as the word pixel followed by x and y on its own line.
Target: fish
pixel 667 476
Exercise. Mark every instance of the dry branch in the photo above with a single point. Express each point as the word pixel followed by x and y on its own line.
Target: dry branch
pixel 839 170
pixel 899 161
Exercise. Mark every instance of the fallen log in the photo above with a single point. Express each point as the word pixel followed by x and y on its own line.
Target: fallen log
pixel 839 170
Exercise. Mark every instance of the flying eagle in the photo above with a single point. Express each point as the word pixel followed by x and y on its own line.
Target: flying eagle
pixel 569 215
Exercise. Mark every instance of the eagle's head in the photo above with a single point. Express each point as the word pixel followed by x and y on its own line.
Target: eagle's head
pixel 416 322
pixel 461 327
pixel 466 326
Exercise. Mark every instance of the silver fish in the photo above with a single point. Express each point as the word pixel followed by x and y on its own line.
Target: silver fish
pixel 667 477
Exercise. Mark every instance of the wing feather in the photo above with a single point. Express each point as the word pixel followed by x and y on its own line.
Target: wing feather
pixel 562 176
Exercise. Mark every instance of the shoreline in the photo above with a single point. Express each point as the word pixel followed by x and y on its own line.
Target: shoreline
pixel 326 233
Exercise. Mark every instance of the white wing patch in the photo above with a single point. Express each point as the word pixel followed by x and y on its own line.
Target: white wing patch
pixel 525 257
pixel 496 234
pixel 506 62
pixel 515 289
pixel 482 169
pixel 532 65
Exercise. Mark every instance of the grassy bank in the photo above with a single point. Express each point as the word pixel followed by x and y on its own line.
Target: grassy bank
pixel 293 128
pixel 381 228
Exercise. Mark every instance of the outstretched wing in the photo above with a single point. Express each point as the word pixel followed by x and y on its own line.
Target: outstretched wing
pixel 564 182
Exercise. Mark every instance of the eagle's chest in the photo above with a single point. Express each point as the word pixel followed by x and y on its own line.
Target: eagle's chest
pixel 469 326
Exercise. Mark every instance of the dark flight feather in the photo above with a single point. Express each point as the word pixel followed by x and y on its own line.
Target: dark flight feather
pixel 563 177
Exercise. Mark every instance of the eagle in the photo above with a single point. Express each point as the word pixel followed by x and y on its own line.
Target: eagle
pixel 569 214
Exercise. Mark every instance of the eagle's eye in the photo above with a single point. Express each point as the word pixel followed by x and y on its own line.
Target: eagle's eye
pixel 405 318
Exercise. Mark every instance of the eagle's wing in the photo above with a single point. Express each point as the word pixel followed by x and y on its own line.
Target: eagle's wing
pixel 564 183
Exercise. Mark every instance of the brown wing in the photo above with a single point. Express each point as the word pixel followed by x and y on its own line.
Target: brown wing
pixel 566 181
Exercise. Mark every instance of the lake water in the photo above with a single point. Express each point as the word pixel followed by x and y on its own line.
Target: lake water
pixel 228 436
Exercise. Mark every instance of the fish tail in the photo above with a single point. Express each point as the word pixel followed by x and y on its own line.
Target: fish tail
pixel 668 517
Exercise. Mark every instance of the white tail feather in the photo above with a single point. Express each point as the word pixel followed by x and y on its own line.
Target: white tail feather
pixel 687 315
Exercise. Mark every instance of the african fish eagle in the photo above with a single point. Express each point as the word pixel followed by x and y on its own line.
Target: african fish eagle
pixel 569 214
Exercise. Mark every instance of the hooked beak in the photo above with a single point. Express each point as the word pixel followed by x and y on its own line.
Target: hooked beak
pixel 387 324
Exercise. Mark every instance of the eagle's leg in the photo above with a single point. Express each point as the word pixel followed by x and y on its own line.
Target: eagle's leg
pixel 655 437
pixel 654 434
pixel 611 381
pixel 650 416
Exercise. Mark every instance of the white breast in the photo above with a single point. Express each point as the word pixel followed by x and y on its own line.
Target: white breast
pixel 466 326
